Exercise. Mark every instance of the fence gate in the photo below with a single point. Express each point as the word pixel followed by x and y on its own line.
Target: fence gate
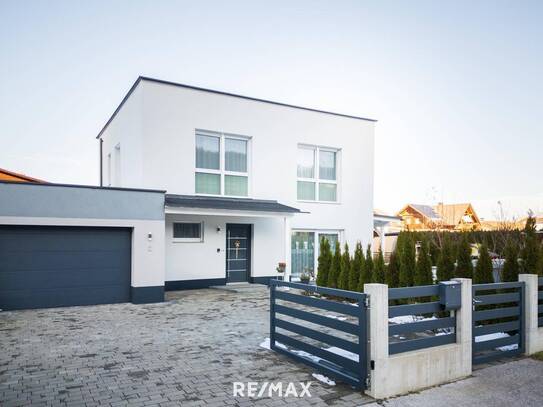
pixel 498 321
pixel 333 345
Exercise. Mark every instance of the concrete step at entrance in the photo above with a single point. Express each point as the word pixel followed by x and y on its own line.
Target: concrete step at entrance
pixel 240 287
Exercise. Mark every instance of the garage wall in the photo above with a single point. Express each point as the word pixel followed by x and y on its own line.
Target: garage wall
pixel 69 205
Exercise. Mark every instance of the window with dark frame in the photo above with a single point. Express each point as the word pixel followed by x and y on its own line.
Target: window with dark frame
pixel 187 231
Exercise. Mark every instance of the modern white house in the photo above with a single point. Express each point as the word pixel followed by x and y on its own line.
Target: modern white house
pixel 249 183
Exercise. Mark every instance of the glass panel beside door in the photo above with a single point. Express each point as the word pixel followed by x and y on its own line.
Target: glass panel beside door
pixel 305 250
pixel 303 253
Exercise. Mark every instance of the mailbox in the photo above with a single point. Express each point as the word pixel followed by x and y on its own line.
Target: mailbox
pixel 450 296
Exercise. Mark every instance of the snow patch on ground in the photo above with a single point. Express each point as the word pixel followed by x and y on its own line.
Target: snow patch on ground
pixel 314 358
pixel 406 319
pixel 336 317
pixel 342 352
pixel 266 344
pixel 497 335
pixel 324 379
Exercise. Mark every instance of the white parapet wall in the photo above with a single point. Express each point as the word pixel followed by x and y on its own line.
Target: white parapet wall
pixel 405 372
pixel 534 334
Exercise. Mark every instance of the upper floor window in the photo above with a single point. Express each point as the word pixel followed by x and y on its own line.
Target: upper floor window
pixel 317 174
pixel 221 164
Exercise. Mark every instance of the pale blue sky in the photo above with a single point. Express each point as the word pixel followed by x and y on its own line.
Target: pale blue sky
pixel 457 87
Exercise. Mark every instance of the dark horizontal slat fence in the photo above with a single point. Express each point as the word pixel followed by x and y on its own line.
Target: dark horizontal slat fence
pixel 349 370
pixel 498 311
pixel 540 301
pixel 422 332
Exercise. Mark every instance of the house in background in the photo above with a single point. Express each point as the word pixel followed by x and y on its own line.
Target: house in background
pixel 457 217
pixel 250 182
pixel 6 175
pixel 521 223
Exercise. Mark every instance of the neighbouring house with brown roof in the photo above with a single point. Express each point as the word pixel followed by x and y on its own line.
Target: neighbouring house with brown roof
pixel 440 217
pixel 521 223
pixel 6 175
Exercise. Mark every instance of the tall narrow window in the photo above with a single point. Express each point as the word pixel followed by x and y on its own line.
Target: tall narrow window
pixel 305 250
pixel 221 165
pixel 317 174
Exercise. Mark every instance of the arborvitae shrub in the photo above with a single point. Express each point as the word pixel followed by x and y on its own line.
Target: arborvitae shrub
pixel 323 263
pixel 483 269
pixel 423 268
pixel 392 274
pixel 445 262
pixel 369 265
pixel 531 250
pixel 464 267
pixel 345 265
pixel 356 267
pixel 378 275
pixel 510 270
pixel 335 268
pixel 363 278
pixel 407 262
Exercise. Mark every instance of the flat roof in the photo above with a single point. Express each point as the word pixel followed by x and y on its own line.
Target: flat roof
pixel 146 78
pixel 236 204
pixel 49 184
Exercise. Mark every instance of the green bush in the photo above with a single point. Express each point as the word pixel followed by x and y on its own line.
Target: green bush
pixel 423 268
pixel 483 269
pixel 345 268
pixel 445 262
pixel 369 265
pixel 407 262
pixel 378 275
pixel 510 270
pixel 335 268
pixel 531 250
pixel 363 278
pixel 323 263
pixel 464 267
pixel 392 274
pixel 356 267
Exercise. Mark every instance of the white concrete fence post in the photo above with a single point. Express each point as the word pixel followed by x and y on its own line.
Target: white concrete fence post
pixel 415 370
pixel 533 334
pixel 378 334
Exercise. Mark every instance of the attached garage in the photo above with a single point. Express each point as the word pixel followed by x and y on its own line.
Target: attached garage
pixel 65 245
pixel 47 266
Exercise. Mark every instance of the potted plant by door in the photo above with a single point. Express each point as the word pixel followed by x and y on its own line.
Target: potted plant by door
pixel 305 277
pixel 281 267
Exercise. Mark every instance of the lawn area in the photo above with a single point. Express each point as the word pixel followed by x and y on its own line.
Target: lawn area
pixel 538 356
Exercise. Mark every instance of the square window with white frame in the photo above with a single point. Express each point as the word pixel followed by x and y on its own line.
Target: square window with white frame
pixel 222 162
pixel 189 232
pixel 317 174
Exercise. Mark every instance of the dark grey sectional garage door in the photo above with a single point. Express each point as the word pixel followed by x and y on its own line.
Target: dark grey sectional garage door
pixel 42 266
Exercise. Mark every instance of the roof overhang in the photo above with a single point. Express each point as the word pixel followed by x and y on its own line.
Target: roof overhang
pixel 383 220
pixel 219 206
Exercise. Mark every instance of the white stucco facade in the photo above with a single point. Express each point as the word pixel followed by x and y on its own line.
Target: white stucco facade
pixel 151 141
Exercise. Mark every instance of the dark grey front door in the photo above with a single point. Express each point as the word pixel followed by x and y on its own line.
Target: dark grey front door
pixel 49 266
pixel 238 253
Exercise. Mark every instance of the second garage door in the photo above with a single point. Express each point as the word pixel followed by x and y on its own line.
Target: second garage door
pixel 42 266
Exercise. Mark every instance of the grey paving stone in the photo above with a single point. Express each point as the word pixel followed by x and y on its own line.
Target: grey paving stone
pixel 187 351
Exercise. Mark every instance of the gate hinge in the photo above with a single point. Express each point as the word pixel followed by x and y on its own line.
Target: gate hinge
pixel 367 302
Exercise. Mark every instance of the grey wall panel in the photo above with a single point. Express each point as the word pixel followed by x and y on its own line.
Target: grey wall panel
pixel 59 201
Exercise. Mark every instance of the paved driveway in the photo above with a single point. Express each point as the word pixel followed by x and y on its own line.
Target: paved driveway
pixel 186 351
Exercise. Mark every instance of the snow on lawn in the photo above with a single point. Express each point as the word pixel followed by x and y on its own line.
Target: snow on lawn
pixel 406 319
pixel 324 379
pixel 497 335
pixel 266 344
